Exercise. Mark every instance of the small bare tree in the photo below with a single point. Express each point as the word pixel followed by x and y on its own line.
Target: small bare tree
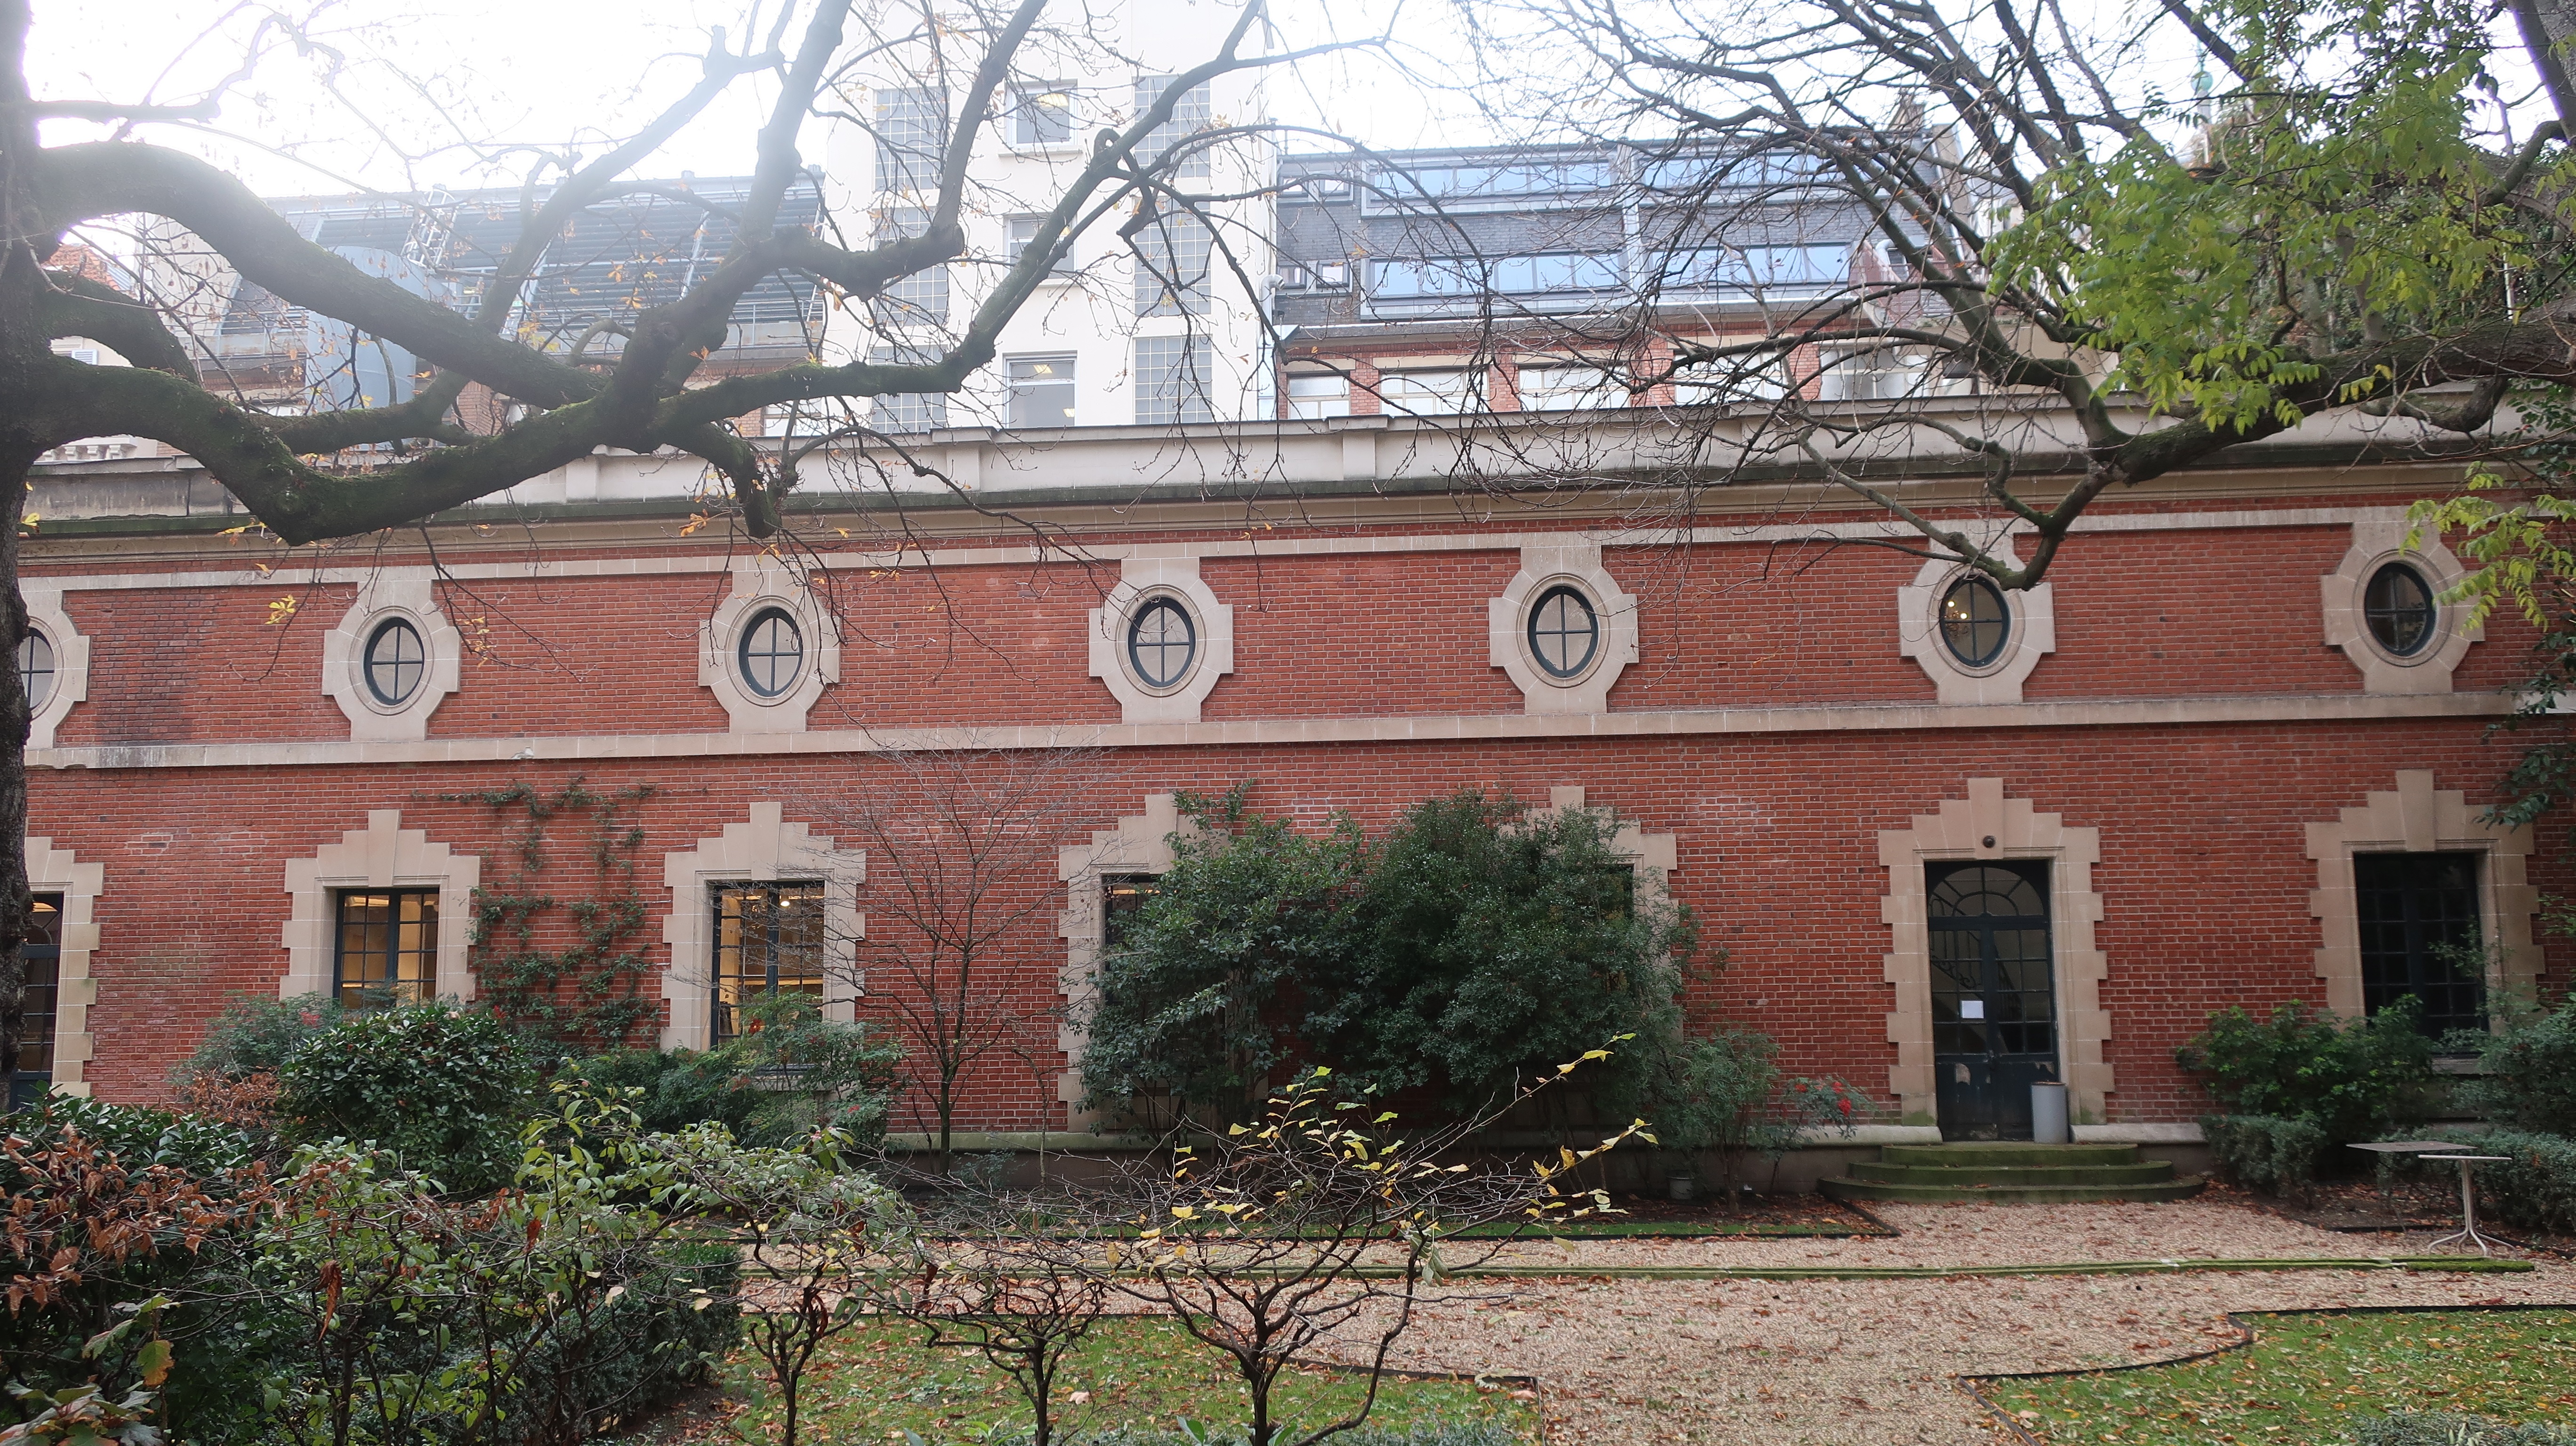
pixel 1022 1283
pixel 1319 1227
pixel 961 846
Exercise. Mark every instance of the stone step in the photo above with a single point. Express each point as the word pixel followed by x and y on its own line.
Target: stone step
pixel 2137 1172
pixel 2180 1188
pixel 2007 1152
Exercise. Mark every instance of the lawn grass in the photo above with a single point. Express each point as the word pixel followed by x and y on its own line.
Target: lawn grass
pixel 2310 1375
pixel 880 1381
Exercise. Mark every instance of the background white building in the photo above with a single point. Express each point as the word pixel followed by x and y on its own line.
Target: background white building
pixel 1159 328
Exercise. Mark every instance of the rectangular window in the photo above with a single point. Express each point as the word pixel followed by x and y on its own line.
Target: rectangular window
pixel 2419 936
pixel 1172 258
pixel 40 955
pixel 1172 380
pixel 388 947
pixel 769 942
pixel 905 411
pixel 911 132
pixel 1042 117
pixel 1315 397
pixel 1553 389
pixel 1427 394
pixel 1192 115
pixel 1121 896
pixel 920 299
pixel 1041 391
pixel 1024 229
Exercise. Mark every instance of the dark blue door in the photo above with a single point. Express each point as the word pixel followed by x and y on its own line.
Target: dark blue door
pixel 1994 996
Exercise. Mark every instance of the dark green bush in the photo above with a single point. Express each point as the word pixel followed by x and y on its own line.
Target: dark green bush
pixel 770 1085
pixel 1474 942
pixel 2530 1079
pixel 2266 1152
pixel 2357 1079
pixel 2537 1188
pixel 445 1089
pixel 253 1036
pixel 675 1323
pixel 2446 1428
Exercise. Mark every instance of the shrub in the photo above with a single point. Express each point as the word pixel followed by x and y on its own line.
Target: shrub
pixel 2536 1189
pixel 770 1085
pixel 2266 1152
pixel 445 1089
pixel 2530 1079
pixel 668 1330
pixel 1472 943
pixel 253 1036
pixel 2445 1428
pixel 2356 1080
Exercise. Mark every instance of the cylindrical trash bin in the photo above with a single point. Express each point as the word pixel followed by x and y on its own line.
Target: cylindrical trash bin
pixel 2048 1114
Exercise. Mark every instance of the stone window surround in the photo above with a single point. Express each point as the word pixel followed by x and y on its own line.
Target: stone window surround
pixel 383 855
pixel 1988 825
pixel 759 585
pixel 1141 844
pixel 1141 579
pixel 71 659
pixel 2416 817
pixel 2376 543
pixel 2031 632
pixel 56 871
pixel 408 593
pixel 1507 646
pixel 763 849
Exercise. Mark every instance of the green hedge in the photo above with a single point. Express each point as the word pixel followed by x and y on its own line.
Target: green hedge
pixel 2537 1189
pixel 2266 1152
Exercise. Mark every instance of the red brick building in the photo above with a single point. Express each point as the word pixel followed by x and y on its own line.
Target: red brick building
pixel 2234 752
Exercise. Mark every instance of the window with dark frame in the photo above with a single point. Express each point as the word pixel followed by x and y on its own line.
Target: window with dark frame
pixel 36 668
pixel 1122 897
pixel 2398 605
pixel 769 942
pixel 40 957
pixel 1162 642
pixel 386 947
pixel 395 661
pixel 1974 621
pixel 773 653
pixel 2419 936
pixel 1564 632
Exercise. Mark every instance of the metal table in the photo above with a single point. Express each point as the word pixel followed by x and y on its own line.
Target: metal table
pixel 2468 1201
pixel 2385 1148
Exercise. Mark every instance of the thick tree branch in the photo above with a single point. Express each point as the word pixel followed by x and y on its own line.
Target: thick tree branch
pixel 74 305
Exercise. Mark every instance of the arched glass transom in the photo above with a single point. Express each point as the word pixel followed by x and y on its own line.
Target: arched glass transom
pixel 2398 605
pixel 1974 621
pixel 773 652
pixel 1986 891
pixel 36 668
pixel 1161 643
pixel 1564 632
pixel 395 661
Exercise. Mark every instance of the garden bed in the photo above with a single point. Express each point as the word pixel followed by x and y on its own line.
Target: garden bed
pixel 2309 1376
pixel 1133 1372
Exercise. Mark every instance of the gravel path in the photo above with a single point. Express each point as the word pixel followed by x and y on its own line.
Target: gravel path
pixel 1868 1361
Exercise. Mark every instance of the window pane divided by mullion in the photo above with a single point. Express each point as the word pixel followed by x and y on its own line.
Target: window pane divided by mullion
pixel 387 946
pixel 2417 916
pixel 769 941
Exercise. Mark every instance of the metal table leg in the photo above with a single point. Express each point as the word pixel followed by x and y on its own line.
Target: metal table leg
pixel 2468 1216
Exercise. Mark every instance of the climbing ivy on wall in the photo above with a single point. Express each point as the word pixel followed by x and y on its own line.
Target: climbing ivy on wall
pixel 589 991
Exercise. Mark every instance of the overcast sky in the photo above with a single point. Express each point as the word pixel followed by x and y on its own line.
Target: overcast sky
pixel 538 71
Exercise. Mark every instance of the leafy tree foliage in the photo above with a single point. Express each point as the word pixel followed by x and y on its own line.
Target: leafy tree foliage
pixel 1472 944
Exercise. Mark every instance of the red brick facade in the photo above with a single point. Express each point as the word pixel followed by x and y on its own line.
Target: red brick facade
pixel 2189 711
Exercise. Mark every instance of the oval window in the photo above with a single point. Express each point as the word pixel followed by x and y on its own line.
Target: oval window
pixel 773 653
pixel 36 668
pixel 2398 605
pixel 1974 621
pixel 1564 632
pixel 1161 643
pixel 395 661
